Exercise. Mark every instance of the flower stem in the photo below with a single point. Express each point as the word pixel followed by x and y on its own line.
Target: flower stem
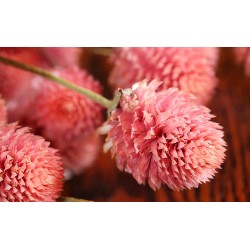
pixel 88 93
pixel 71 199
pixel 100 51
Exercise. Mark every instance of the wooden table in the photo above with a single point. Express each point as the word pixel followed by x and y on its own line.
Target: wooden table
pixel 231 105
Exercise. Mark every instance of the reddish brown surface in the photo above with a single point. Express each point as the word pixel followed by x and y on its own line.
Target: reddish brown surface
pixel 231 105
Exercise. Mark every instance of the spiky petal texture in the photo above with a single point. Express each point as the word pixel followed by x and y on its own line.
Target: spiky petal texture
pixel 63 116
pixel 164 137
pixel 189 69
pixel 3 112
pixel 242 55
pixel 29 169
pixel 63 56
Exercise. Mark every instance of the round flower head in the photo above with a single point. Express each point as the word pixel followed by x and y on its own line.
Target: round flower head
pixel 164 137
pixel 63 56
pixel 62 115
pixel 242 55
pixel 3 112
pixel 29 169
pixel 189 69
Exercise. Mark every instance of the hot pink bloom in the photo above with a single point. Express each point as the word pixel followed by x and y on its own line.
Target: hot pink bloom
pixel 64 117
pixel 164 137
pixel 189 69
pixel 242 55
pixel 3 112
pixel 29 169
pixel 63 56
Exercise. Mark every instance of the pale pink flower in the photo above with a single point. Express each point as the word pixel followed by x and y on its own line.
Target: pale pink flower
pixel 3 111
pixel 29 169
pixel 64 116
pixel 164 137
pixel 189 69
pixel 242 55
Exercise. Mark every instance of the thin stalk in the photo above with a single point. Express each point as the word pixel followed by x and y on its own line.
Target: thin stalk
pixel 71 199
pixel 86 92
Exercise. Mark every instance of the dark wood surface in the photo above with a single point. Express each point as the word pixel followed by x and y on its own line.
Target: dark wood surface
pixel 231 105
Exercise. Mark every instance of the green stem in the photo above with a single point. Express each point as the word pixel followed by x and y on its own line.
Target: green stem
pixel 90 94
pixel 71 199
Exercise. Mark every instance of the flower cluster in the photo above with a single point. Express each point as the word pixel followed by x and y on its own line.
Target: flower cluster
pixel 158 131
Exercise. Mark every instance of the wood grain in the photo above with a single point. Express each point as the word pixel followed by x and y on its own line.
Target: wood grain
pixel 231 105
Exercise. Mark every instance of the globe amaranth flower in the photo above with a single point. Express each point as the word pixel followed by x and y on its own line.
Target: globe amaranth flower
pixel 3 112
pixel 65 117
pixel 29 169
pixel 189 69
pixel 242 55
pixel 164 136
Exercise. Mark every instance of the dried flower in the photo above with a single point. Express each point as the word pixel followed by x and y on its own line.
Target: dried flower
pixel 3 112
pixel 189 69
pixel 164 137
pixel 242 55
pixel 63 116
pixel 29 169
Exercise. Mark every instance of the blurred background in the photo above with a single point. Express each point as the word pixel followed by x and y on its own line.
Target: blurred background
pixel 231 105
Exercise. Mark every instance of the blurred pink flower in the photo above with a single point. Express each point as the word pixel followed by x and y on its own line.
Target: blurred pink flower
pixel 242 55
pixel 189 69
pixel 29 169
pixel 164 137
pixel 3 112
pixel 65 117
pixel 15 83
pixel 63 56
pixel 81 152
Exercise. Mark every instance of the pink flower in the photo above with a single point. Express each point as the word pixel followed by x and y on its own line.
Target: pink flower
pixel 64 117
pixel 242 55
pixel 81 152
pixel 3 112
pixel 164 137
pixel 29 169
pixel 15 83
pixel 63 56
pixel 189 69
